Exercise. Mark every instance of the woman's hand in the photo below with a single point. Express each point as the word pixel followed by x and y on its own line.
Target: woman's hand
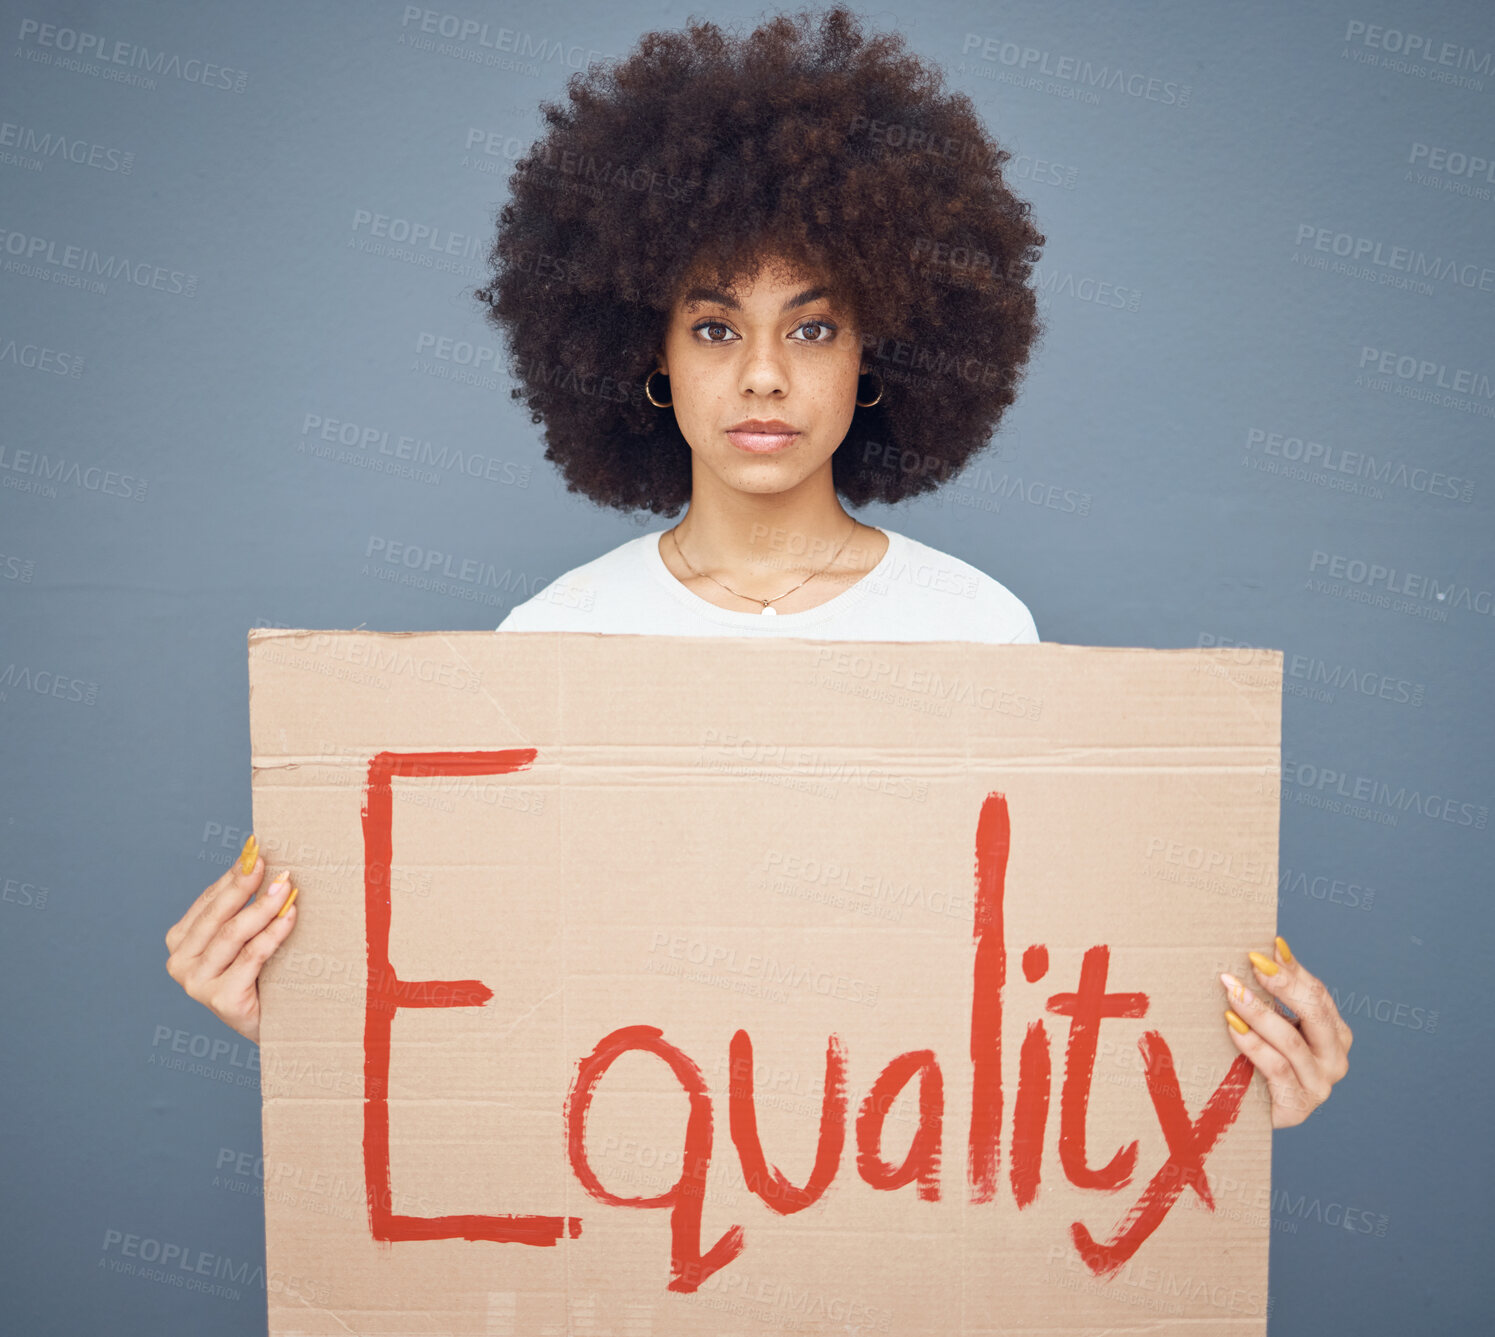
pixel 219 945
pixel 1301 1059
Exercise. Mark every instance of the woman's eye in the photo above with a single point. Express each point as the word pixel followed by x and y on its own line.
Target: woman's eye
pixel 816 324
pixel 826 331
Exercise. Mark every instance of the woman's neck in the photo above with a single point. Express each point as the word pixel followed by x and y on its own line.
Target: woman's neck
pixel 760 544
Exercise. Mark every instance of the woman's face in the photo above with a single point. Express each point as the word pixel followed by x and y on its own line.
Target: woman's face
pixel 777 352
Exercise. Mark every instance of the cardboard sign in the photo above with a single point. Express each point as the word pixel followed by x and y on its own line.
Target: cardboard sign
pixel 654 985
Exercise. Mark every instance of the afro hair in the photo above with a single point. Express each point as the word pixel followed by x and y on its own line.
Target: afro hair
pixel 703 157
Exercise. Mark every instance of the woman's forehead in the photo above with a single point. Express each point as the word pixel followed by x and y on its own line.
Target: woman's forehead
pixel 772 278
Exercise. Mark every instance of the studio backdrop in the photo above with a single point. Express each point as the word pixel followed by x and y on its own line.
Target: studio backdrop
pixel 244 383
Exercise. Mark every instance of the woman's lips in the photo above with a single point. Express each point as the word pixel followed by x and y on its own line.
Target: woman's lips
pixel 761 443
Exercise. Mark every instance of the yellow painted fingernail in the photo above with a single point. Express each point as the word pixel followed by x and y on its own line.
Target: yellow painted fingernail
pixel 1265 964
pixel 1282 947
pixel 249 853
pixel 1236 1024
pixel 289 900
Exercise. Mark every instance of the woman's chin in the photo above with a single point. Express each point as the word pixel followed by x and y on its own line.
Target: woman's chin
pixel 764 474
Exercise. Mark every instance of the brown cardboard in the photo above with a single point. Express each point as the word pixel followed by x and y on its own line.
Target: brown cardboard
pixel 796 840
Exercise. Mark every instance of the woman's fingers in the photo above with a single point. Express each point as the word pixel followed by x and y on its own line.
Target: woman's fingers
pixel 1295 1064
pixel 1291 1103
pixel 217 903
pixel 235 993
pixel 228 940
pixel 219 946
pixel 177 933
pixel 1301 1058
pixel 1326 1033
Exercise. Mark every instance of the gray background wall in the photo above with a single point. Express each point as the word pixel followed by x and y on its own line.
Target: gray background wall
pixel 1236 443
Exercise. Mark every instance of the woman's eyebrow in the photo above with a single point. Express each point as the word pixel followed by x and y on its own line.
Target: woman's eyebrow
pixel 703 296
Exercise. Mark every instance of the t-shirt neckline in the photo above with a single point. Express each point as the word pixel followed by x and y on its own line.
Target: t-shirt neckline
pixel 850 596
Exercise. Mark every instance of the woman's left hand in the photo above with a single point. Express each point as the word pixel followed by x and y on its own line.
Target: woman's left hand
pixel 1301 1059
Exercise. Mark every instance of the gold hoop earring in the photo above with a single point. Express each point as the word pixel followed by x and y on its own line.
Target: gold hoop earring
pixel 878 396
pixel 650 394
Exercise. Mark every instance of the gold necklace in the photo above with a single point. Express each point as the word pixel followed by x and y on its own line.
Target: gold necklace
pixel 768 604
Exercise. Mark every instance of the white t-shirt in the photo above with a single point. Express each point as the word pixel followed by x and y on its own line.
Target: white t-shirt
pixel 914 593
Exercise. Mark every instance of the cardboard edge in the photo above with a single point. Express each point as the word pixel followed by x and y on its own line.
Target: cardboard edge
pixel 1269 654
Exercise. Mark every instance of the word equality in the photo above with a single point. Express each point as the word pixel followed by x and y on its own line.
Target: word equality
pixel 1189 1139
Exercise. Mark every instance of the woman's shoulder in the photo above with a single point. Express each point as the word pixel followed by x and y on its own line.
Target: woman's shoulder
pixel 572 595
pixel 970 595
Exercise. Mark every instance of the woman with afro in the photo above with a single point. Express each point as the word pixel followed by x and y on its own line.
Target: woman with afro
pixel 763 279
pixel 771 278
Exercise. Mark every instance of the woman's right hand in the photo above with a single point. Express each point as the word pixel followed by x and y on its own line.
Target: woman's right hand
pixel 218 947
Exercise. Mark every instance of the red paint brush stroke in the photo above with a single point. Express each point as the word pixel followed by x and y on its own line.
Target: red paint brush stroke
pixel 1030 1114
pixel 1189 1142
pixel 923 1159
pixel 689 1267
pixel 993 840
pixel 1086 1008
pixel 767 1181
pixel 387 993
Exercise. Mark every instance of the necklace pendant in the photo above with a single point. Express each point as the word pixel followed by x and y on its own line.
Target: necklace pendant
pixel 769 610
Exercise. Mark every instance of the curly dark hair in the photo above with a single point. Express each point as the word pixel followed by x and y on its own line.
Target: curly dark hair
pixel 699 157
